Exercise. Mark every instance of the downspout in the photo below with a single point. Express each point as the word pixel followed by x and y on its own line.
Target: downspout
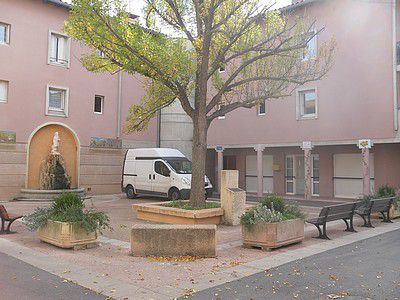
pixel 395 100
pixel 158 145
pixel 119 104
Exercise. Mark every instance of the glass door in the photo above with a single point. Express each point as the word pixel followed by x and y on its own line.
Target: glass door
pixel 315 175
pixel 290 176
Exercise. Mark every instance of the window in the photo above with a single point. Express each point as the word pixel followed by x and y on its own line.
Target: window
pixel 289 174
pixel 4 33
pixel 315 175
pixel 307 104
pixel 261 108
pixel 59 49
pixel 3 91
pixel 310 51
pixel 98 104
pixel 221 107
pixel 161 168
pixel 57 101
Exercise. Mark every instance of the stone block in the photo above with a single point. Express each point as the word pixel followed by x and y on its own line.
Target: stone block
pixel 234 205
pixel 173 240
pixel 233 199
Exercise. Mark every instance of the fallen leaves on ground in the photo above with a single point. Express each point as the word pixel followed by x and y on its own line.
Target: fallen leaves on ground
pixel 185 258
pixel 338 296
pixel 188 293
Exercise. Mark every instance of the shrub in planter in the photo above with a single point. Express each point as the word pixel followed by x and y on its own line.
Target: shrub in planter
pixel 272 224
pixel 67 223
pixel 384 191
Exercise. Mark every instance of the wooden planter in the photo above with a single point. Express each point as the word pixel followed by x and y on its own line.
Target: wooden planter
pixel 269 236
pixel 155 212
pixel 66 235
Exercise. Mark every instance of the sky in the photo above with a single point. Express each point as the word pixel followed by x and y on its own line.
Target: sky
pixel 136 5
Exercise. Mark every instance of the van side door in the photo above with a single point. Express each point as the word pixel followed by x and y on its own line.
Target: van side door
pixel 144 178
pixel 161 179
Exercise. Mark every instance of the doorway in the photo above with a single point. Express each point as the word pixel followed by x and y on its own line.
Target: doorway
pixel 229 162
pixel 295 175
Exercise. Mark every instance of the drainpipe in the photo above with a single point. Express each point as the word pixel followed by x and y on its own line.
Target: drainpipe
pixel 119 104
pixel 395 100
pixel 158 128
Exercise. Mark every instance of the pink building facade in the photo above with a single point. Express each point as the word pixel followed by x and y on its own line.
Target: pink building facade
pixel 43 85
pixel 308 144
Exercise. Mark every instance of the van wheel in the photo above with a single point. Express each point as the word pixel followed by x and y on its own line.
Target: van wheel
pixel 130 192
pixel 174 194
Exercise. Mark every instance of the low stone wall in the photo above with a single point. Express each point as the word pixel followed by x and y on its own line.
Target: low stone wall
pixel 173 240
pixel 12 170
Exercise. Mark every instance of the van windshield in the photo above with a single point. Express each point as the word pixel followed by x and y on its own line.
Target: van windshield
pixel 180 165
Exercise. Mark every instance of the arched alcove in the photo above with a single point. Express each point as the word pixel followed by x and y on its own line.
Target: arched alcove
pixel 39 147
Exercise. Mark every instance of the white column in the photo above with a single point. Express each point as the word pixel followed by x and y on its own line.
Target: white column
pixel 220 166
pixel 307 147
pixel 260 174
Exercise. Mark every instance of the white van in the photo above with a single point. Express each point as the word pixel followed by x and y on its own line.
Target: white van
pixel 160 172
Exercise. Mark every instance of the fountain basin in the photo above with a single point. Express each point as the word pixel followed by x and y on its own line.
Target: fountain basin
pixel 46 195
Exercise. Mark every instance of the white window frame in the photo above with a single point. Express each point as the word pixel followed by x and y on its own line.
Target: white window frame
pixel 8 26
pixel 54 112
pixel 307 56
pixel 102 105
pixel 8 88
pixel 299 109
pixel 65 65
pixel 259 113
pixel 293 179
pixel 312 174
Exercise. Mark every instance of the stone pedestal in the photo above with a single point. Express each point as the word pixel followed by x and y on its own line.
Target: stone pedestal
pixel 233 199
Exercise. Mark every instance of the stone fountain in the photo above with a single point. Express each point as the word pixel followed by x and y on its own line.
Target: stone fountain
pixel 54 179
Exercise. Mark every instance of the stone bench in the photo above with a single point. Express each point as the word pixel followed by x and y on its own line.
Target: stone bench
pixel 173 240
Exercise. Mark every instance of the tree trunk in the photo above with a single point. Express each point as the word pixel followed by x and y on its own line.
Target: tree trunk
pixel 199 152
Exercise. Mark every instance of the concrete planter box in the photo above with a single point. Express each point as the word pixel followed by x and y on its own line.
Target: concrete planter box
pixel 173 240
pixel 66 235
pixel 394 212
pixel 156 213
pixel 268 236
pixel 46 195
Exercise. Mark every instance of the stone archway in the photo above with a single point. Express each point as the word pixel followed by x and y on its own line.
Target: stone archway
pixel 39 147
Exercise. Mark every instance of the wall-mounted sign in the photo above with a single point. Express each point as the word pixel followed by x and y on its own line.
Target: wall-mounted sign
pixel 364 144
pixel 98 142
pixel 8 137
pixel 219 148
pixel 306 145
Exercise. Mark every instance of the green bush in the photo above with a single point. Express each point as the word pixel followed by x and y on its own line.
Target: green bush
pixel 69 207
pixel 274 202
pixel 386 191
pixel 270 210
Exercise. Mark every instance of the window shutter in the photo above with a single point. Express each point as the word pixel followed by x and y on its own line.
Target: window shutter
pixel 3 90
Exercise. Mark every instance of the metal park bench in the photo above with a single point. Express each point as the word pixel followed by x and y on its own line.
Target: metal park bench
pixel 335 212
pixel 6 217
pixel 375 206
